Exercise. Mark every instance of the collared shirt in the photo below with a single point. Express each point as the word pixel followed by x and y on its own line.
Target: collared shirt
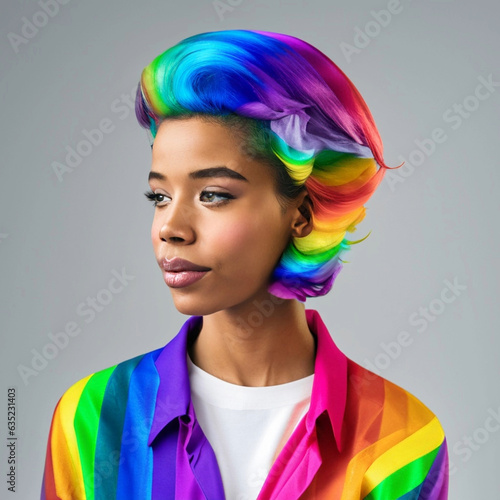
pixel 130 432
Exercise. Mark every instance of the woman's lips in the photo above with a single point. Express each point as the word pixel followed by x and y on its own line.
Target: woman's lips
pixel 179 272
pixel 179 279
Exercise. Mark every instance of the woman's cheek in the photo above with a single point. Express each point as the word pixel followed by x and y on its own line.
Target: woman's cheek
pixel 238 234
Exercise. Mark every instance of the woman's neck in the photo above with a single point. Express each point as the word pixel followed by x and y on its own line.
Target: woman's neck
pixel 265 343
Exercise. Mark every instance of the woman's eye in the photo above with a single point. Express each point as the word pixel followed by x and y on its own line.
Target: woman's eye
pixel 214 196
pixel 156 198
pixel 211 197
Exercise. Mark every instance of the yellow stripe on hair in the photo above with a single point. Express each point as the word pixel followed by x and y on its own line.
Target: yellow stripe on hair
pixel 318 241
pixel 346 169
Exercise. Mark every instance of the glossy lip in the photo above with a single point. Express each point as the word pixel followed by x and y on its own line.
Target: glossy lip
pixel 182 278
pixel 179 273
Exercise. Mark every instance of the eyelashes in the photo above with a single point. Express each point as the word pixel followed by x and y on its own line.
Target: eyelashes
pixel 224 198
pixel 152 197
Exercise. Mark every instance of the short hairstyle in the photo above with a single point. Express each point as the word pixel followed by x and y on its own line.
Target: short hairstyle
pixel 318 127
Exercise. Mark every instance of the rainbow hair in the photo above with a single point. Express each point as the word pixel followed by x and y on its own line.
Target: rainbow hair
pixel 321 130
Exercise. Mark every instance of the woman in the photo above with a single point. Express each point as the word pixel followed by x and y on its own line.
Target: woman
pixel 263 155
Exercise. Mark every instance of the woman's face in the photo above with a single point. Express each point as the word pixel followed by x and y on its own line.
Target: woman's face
pixel 217 208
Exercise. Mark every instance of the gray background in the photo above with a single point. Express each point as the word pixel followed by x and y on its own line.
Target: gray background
pixel 60 240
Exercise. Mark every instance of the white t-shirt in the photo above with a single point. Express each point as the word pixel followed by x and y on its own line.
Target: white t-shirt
pixel 246 426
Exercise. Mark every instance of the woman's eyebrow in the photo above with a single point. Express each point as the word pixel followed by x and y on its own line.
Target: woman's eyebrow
pixel 205 173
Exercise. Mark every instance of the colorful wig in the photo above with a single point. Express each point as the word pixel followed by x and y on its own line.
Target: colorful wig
pixel 321 129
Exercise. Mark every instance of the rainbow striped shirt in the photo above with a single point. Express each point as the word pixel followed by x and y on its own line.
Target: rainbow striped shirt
pixel 130 432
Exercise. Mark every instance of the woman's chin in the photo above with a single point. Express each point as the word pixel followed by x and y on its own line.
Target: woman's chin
pixel 193 306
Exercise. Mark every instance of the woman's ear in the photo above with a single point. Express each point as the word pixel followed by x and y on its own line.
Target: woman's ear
pixel 303 222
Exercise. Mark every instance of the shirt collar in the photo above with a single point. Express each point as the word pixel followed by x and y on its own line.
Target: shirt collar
pixel 174 394
pixel 329 391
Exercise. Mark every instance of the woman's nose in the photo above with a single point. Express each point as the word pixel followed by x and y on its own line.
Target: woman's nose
pixel 177 224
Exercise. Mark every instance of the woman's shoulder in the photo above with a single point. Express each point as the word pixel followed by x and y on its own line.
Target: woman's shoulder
pixel 388 405
pixel 393 440
pixel 108 386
